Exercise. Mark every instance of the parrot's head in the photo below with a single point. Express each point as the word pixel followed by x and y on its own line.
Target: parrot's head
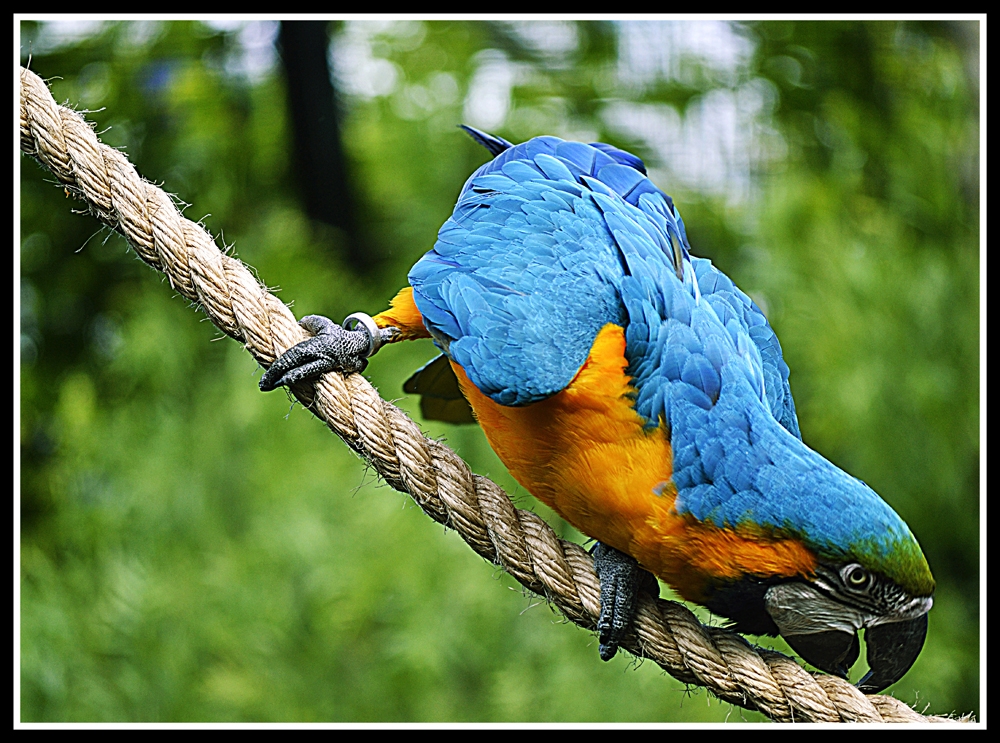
pixel 869 574
pixel 821 617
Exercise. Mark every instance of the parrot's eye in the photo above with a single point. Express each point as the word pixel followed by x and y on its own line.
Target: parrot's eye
pixel 856 577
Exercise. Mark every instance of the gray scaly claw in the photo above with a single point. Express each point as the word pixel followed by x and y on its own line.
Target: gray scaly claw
pixel 621 580
pixel 332 348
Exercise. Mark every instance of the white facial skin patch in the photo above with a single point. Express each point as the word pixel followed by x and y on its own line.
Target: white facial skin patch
pixel 799 609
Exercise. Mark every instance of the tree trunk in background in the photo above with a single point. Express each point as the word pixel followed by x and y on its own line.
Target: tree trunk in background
pixel 320 165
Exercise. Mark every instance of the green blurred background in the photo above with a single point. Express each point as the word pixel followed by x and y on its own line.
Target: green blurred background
pixel 194 550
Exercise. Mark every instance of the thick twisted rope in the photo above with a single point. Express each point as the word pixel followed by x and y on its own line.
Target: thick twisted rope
pixel 431 473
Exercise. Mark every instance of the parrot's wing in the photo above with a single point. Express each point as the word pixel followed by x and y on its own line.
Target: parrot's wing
pixel 534 260
pixel 524 273
pixel 664 282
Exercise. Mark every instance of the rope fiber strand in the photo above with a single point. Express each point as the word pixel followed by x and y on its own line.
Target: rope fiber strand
pixel 432 474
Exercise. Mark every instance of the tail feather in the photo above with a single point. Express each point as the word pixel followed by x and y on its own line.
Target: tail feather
pixel 495 145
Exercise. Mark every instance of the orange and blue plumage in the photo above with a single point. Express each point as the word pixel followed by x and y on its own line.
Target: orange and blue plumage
pixel 552 241
pixel 643 396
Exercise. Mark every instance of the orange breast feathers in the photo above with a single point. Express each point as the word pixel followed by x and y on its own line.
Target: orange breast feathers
pixel 586 453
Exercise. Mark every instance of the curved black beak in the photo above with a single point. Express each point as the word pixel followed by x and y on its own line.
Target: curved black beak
pixel 832 651
pixel 892 649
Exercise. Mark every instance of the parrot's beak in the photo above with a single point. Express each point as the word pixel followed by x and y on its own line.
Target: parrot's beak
pixel 824 632
pixel 892 649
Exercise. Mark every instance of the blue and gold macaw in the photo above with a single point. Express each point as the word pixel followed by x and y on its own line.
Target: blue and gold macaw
pixel 639 393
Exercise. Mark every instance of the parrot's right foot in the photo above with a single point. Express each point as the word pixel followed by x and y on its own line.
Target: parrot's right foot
pixel 334 347
pixel 621 580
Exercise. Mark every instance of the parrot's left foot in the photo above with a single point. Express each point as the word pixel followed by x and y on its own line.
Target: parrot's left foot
pixel 333 348
pixel 621 580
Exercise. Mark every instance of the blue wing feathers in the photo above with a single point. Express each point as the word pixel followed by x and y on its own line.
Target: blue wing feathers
pixel 544 204
pixel 552 240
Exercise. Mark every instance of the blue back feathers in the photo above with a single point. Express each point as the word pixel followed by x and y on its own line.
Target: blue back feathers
pixel 550 241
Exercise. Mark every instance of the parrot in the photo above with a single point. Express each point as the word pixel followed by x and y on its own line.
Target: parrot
pixel 636 390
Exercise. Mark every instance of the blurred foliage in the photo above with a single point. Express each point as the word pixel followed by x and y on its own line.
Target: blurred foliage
pixel 191 550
